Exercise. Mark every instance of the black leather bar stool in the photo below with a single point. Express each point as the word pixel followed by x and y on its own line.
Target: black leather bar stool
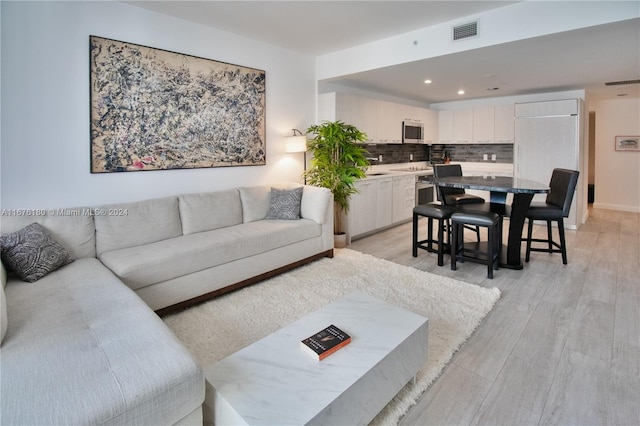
pixel 491 255
pixel 431 211
pixel 554 209
pixel 456 197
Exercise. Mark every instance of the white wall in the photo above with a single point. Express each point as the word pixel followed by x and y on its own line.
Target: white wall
pixel 45 145
pixel 617 174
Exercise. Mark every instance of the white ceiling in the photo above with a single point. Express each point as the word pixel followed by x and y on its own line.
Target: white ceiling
pixel 573 60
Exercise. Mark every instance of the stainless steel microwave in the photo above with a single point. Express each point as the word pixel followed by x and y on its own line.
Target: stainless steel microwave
pixel 412 132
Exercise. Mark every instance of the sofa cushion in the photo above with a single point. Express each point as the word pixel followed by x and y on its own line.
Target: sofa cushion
pixel 134 224
pixel 255 202
pixel 82 348
pixel 32 252
pixel 164 260
pixel 73 228
pixel 209 210
pixel 285 204
pixel 316 203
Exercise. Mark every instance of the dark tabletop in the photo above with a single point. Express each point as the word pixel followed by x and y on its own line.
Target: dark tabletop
pixel 492 183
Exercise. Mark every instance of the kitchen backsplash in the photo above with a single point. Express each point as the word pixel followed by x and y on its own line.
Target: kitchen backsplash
pixel 473 153
pixel 402 153
pixel 398 153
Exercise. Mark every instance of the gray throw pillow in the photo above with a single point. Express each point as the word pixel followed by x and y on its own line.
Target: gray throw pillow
pixel 32 252
pixel 285 204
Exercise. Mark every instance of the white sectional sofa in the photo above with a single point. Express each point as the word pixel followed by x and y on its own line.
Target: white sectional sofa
pixel 82 345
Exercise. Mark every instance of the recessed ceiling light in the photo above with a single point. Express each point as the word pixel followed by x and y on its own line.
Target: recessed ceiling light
pixel 427 81
pixel 460 92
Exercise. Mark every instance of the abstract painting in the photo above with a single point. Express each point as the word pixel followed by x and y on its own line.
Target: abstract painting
pixel 152 109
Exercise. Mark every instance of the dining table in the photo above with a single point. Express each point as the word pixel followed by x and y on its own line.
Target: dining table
pixel 523 191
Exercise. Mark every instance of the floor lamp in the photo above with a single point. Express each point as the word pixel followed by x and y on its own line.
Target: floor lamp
pixel 297 143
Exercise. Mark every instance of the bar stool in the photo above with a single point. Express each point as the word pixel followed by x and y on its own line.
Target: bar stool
pixel 491 255
pixel 431 211
pixel 555 208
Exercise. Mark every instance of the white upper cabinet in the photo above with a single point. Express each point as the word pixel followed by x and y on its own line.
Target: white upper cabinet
pixel 389 117
pixel 504 124
pixel 360 112
pixel 483 125
pixel 380 120
pixel 430 118
pixel 463 126
pixel 445 127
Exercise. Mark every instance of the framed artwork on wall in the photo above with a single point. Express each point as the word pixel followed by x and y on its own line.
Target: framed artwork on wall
pixel 627 143
pixel 153 109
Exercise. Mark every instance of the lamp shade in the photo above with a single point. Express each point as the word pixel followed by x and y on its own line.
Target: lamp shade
pixel 295 144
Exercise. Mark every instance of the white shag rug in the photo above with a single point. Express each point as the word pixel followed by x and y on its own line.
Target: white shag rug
pixel 222 326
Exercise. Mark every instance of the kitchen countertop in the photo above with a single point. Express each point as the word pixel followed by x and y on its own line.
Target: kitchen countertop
pixel 379 171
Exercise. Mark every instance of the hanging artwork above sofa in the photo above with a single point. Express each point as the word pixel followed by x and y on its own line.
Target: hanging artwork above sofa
pixel 152 109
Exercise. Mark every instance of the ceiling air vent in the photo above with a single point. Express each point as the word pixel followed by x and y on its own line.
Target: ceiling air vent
pixel 465 31
pixel 621 82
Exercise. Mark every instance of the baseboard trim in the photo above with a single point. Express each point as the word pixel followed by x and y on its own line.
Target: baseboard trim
pixel 250 281
pixel 622 208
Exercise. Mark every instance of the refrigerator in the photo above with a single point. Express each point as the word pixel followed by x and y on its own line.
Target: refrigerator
pixel 548 135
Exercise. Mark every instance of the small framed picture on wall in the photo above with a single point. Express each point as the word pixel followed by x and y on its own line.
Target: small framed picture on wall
pixel 627 143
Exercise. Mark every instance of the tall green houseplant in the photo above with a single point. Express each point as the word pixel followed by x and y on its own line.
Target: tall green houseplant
pixel 339 160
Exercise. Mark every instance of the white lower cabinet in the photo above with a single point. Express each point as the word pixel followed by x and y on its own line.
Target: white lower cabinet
pixel 380 203
pixel 361 217
pixel 404 198
pixel 384 210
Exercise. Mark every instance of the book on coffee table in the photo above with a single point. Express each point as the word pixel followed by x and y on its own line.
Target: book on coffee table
pixel 325 342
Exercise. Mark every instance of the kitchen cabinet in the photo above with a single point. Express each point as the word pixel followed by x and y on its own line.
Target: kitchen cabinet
pixel 380 120
pixel 430 119
pixel 483 125
pixel 384 210
pixel 359 111
pixel 504 124
pixel 404 197
pixel 360 218
pixel 389 117
pixel 371 207
pixel 463 126
pixel 445 127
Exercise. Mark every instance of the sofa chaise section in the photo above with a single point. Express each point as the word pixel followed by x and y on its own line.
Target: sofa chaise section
pixel 81 348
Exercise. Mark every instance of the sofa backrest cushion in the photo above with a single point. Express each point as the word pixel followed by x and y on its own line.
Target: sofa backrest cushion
pixel 73 228
pixel 315 203
pixel 134 224
pixel 255 202
pixel 209 210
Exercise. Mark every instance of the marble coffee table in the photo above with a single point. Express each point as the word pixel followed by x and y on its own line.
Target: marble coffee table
pixel 272 381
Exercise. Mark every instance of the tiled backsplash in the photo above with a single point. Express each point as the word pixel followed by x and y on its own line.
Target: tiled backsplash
pixel 401 153
pixel 398 153
pixel 474 152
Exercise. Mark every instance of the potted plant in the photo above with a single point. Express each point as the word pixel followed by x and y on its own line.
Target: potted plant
pixel 338 162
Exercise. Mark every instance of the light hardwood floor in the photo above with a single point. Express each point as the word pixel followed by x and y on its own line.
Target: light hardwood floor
pixel 561 347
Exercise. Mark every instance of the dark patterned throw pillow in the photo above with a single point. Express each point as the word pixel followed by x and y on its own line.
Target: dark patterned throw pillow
pixel 285 204
pixel 32 252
